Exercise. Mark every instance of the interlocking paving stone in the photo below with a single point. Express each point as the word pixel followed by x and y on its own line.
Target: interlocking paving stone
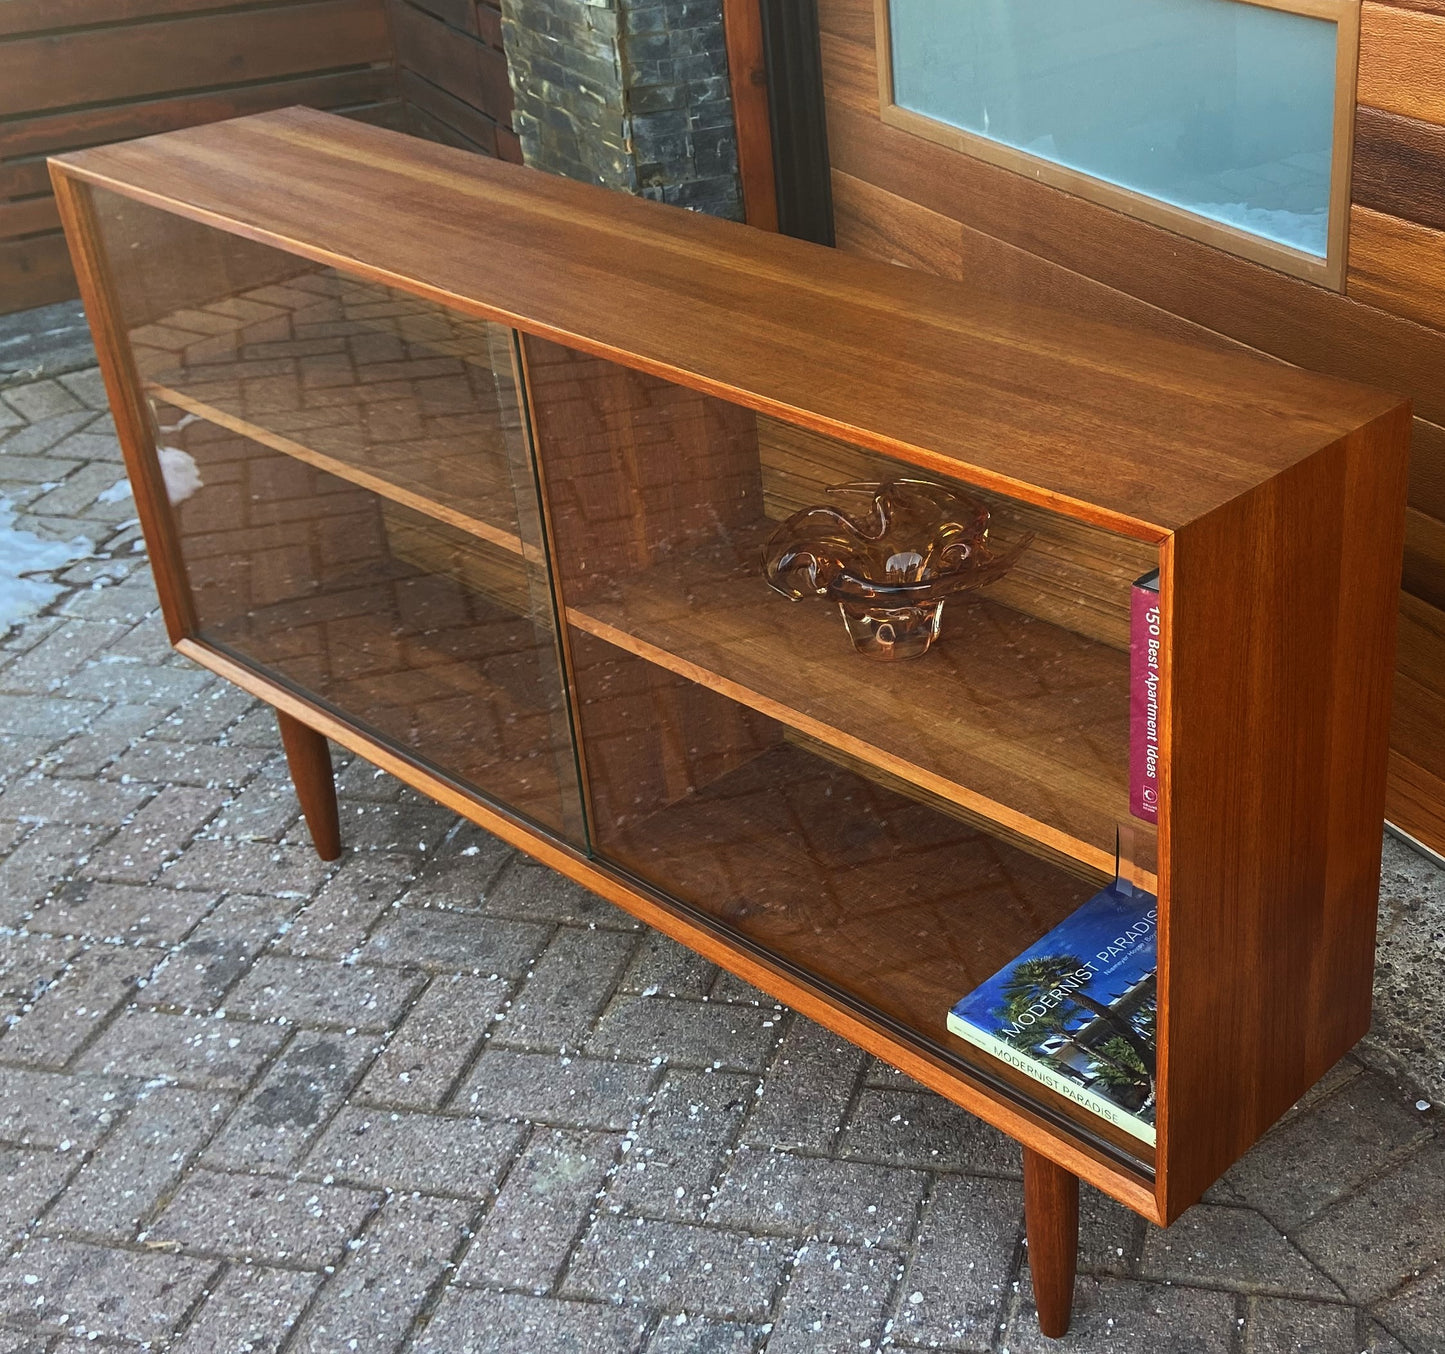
pixel 394 827
pixel 662 965
pixel 47 1109
pixel 682 1334
pixel 677 1150
pixel 282 1114
pixel 957 1282
pixel 1412 1196
pixel 911 1128
pixel 345 908
pixel 49 664
pixel 1316 1157
pixel 566 990
pixel 195 764
pixel 1417 1313
pixel 223 1054
pixel 311 993
pixel 678 1266
pixel 28 962
pixel 1231 1248
pixel 528 890
pixel 1111 1237
pixel 836 1301
pixel 840 1201
pixel 457 942
pixel 369 1303
pixel 198 973
pixel 807 1090
pixel 250 1310
pixel 46 856
pixel 138 1294
pixel 436 1041
pixel 135 1165
pixel 157 834
pixel 1285 1326
pixel 47 799
pixel 541 1209
pixel 545 1088
pixel 298 1223
pixel 1122 1316
pixel 206 716
pixel 259 867
pixel 474 1321
pixel 433 1153
pixel 138 683
pixel 29 1178
pixel 102 911
pixel 263 811
pixel 69 1012
pixel 687 1033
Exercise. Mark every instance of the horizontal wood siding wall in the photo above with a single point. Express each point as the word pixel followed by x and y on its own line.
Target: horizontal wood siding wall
pixel 78 73
pixel 453 74
pixel 911 201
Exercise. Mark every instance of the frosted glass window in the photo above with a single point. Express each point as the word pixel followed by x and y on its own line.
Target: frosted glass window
pixel 1218 107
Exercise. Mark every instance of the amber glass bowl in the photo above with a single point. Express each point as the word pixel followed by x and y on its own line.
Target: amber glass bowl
pixel 889 554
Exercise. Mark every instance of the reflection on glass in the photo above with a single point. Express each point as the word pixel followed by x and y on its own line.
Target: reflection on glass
pixel 662 501
pixel 355 500
pixel 889 554
pixel 1221 107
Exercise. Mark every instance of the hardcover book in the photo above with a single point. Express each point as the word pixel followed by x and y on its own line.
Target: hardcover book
pixel 1144 639
pixel 1076 1011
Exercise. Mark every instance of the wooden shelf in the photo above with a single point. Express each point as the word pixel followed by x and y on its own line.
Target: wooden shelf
pixel 367 383
pixel 1015 720
pixel 864 888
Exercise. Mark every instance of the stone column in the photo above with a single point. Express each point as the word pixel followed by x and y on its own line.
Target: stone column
pixel 631 94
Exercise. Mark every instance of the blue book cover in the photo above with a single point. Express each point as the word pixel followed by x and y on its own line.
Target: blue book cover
pixel 1077 1009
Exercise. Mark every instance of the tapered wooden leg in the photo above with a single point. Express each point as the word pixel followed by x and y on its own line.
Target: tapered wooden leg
pixel 1051 1214
pixel 309 757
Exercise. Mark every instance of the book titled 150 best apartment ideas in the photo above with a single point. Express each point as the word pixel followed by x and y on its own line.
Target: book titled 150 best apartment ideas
pixel 1076 1010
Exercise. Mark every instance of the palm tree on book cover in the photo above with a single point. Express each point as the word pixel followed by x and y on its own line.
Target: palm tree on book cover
pixel 1126 1058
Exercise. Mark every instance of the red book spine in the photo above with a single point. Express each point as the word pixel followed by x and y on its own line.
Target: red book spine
pixel 1144 699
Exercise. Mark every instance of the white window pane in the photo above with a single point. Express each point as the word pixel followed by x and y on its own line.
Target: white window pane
pixel 1220 107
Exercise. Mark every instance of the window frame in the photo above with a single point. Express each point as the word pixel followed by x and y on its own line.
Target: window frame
pixel 1328 272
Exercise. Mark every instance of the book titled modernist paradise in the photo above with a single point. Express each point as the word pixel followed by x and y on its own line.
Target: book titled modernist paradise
pixel 1076 1011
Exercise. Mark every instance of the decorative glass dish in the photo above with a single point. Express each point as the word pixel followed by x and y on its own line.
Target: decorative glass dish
pixel 890 555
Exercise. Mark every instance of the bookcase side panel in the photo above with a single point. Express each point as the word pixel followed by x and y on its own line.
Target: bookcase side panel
pixel 1276 725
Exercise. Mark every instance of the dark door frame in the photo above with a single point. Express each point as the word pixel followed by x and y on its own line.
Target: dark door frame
pixel 775 68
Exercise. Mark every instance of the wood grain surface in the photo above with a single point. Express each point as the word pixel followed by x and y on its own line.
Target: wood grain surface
pixel 1402 61
pixel 1130 430
pixel 1398 265
pixel 1400 167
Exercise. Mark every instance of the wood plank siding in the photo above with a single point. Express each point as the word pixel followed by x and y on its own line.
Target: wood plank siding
pixel 917 203
pixel 77 73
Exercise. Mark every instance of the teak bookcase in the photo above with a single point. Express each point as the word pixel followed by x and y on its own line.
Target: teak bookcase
pixel 467 468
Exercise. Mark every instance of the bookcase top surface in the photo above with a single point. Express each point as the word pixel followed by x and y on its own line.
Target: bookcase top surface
pixel 1117 425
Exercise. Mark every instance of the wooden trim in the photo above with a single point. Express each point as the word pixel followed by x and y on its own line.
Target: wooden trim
pixel 1126 1187
pixel 748 80
pixel 1399 167
pixel 133 424
pixel 1328 272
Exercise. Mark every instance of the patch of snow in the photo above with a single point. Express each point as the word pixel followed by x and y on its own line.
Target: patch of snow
pixel 117 492
pixel 23 553
pixel 181 474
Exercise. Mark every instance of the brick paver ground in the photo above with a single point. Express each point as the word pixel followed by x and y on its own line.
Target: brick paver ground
pixel 435 1098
